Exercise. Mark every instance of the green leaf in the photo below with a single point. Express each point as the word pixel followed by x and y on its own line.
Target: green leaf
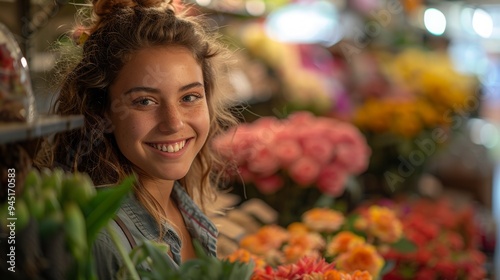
pixel 237 270
pixel 404 245
pixel 160 259
pixel 204 267
pixel 103 206
pixel 389 265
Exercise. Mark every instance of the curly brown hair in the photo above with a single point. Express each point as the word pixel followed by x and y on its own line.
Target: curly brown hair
pixel 116 30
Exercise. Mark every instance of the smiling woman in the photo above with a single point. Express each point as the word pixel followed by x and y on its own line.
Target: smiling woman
pixel 147 82
pixel 163 116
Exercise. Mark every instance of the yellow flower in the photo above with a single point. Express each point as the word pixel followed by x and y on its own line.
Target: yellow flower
pixel 343 242
pixel 384 224
pixel 323 219
pixel 430 88
pixel 406 124
pixel 429 115
pixel 362 257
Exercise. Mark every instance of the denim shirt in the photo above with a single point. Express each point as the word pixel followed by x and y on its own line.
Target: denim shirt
pixel 142 226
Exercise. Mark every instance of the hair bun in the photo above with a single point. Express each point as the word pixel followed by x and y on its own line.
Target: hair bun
pixel 106 7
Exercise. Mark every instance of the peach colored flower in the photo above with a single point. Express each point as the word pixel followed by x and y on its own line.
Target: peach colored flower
pixel 269 237
pixel 339 275
pixel 300 146
pixel 331 180
pixel 362 257
pixel 263 161
pixel 360 224
pixel 304 171
pixel 361 275
pixel 269 185
pixel 351 150
pixel 287 151
pixel 301 118
pixel 245 256
pixel 316 147
pixel 333 275
pixel 323 219
pixel 343 242
pixel 297 227
pixel 303 244
pixel 384 224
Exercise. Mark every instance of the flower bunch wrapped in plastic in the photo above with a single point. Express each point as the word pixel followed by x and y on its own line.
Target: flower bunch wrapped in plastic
pixel 345 244
pixel 286 158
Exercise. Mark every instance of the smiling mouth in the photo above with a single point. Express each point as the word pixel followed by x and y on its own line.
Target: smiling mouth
pixel 169 148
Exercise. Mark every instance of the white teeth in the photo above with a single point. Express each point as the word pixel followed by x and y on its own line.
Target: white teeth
pixel 170 148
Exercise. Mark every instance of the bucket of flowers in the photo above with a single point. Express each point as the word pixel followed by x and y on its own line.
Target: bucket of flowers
pixel 325 243
pixel 446 234
pixel 289 163
pixel 409 106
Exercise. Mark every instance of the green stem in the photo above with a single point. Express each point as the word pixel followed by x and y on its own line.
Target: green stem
pixel 123 253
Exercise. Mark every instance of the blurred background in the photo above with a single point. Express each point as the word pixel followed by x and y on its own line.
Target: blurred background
pixel 419 78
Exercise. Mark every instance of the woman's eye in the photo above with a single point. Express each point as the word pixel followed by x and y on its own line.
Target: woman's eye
pixel 190 98
pixel 143 102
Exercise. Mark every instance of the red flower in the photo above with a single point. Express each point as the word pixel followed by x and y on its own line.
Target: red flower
pixel 447 269
pixel 426 274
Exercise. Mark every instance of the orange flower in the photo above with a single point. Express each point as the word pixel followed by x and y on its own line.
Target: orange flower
pixel 245 256
pixel 361 224
pixel 301 245
pixel 313 276
pixel 267 238
pixel 323 219
pixel 384 224
pixel 339 275
pixel 332 275
pixel 343 242
pixel 362 257
pixel 297 227
pixel 361 275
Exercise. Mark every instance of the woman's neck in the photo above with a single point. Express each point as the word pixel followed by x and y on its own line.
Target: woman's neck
pixel 159 190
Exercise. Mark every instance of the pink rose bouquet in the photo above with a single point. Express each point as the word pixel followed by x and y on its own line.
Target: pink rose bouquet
pixel 294 159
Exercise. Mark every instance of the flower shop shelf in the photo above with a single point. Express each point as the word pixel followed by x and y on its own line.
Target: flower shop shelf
pixel 45 125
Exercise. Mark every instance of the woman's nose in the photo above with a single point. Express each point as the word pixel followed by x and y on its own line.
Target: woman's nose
pixel 171 119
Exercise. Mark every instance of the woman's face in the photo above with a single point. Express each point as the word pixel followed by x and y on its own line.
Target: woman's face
pixel 159 111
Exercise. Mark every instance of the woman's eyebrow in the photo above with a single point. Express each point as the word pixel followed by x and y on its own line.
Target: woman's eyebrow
pixel 157 91
pixel 190 86
pixel 142 89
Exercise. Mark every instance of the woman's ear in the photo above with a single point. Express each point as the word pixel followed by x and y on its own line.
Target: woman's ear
pixel 107 124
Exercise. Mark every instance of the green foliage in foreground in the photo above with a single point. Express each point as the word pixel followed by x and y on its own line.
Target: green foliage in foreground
pixel 204 267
